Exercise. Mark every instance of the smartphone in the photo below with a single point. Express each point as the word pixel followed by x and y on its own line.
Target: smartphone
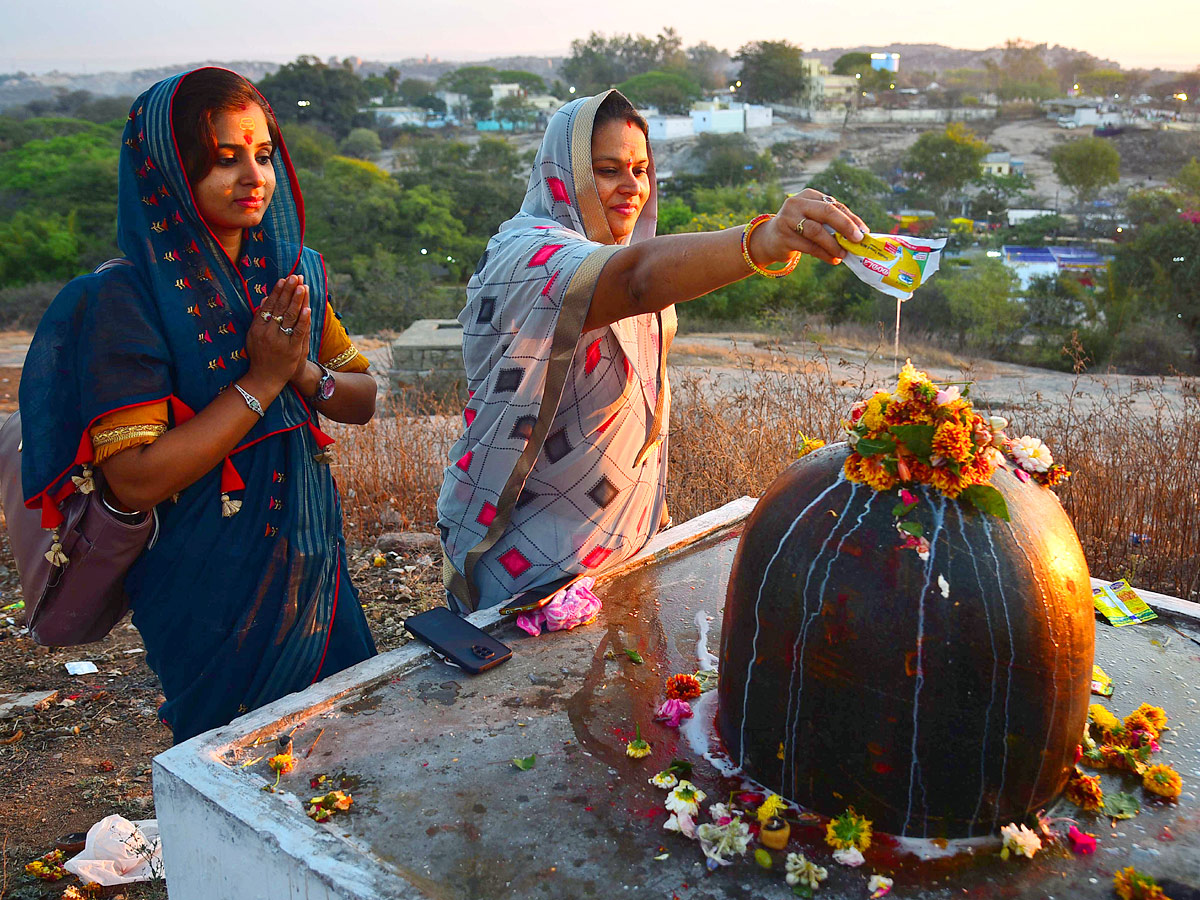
pixel 456 641
pixel 537 597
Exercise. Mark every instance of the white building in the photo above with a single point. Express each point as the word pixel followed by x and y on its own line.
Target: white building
pixel 665 128
pixel 500 91
pixel 718 121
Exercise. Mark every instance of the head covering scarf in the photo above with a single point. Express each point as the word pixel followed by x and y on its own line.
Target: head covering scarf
pixel 236 598
pixel 561 469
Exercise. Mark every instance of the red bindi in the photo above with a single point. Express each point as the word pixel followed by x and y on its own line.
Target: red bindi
pixel 248 138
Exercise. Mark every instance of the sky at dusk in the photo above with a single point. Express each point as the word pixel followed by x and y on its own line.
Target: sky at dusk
pixel 96 35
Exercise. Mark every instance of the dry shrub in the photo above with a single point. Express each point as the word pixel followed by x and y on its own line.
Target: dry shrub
pixel 390 471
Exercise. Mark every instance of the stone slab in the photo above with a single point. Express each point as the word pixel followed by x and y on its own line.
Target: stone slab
pixel 12 705
pixel 440 811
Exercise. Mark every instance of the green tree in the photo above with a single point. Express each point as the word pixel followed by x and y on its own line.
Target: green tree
pixel 598 62
pixel 770 70
pixel 944 162
pixel 1086 165
pixel 36 246
pixel 310 91
pixel 851 63
pixel 731 159
pixel 529 82
pixel 997 192
pixel 1162 264
pixel 669 91
pixel 1036 231
pixel 361 143
pixel 859 189
pixel 708 66
pixel 308 146
pixel 1187 184
pixel 982 311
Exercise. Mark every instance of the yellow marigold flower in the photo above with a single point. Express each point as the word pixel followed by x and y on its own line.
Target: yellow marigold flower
pixel 1162 780
pixel 1102 718
pixel 848 830
pixel 637 748
pixel 872 417
pixel 808 445
pixel 770 808
pixel 1113 757
pixel 283 763
pixel 1084 791
pixel 911 380
pixel 1155 714
pixel 1130 884
pixel 953 441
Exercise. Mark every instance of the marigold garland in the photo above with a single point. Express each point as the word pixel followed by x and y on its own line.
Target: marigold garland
pixel 1156 715
pixel 926 433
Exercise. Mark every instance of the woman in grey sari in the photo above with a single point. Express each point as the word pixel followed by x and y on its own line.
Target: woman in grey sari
pixel 561 469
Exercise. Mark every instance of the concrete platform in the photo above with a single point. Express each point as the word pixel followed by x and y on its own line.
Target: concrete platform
pixel 440 811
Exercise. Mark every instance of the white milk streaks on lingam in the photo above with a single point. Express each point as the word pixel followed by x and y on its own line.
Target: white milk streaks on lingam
pixel 987 530
pixel 987 716
pixel 758 601
pixel 705 660
pixel 914 765
pixel 1049 728
pixel 795 692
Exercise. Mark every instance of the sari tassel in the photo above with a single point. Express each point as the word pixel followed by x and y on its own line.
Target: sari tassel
pixel 230 507
pixel 84 483
pixel 55 555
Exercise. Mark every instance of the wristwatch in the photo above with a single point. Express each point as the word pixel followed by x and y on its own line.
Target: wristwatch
pixel 325 386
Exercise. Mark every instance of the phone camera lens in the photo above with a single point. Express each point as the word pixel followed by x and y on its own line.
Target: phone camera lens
pixel 482 652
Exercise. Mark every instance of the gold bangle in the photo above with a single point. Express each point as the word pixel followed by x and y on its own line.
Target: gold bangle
pixel 747 230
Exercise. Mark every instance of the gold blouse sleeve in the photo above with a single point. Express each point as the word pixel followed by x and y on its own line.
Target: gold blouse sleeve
pixel 337 350
pixel 127 428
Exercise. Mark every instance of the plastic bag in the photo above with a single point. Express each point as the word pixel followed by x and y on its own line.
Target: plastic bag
pixel 119 852
pixel 893 264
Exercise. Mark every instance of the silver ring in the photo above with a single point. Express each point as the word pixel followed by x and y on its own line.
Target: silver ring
pixel 266 316
pixel 800 225
pixel 287 331
pixel 828 199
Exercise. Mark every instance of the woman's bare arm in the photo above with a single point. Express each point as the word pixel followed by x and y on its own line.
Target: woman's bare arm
pixel 653 274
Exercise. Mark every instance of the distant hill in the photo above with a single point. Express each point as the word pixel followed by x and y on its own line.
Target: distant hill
pixel 15 90
pixel 938 58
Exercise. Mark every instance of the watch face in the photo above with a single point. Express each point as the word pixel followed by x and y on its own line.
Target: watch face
pixel 325 387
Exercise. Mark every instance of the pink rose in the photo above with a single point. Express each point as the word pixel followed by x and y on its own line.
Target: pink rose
pixel 907 497
pixel 1082 842
pixel 672 712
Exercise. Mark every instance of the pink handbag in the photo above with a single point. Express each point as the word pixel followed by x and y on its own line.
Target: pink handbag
pixel 79 601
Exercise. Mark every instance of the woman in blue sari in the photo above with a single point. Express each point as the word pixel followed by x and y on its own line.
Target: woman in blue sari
pixel 194 378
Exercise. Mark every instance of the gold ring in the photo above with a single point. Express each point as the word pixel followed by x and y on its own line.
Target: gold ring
pixel 277 318
pixel 800 225
pixel 266 316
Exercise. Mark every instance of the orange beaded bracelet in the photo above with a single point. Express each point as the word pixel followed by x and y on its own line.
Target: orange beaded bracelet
pixel 747 230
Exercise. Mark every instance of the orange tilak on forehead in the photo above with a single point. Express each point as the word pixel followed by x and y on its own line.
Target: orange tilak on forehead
pixel 246 123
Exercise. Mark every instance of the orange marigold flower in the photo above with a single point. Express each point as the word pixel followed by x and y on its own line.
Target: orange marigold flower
pixel 1113 757
pixel 911 380
pixel 1084 791
pixel 683 687
pixel 908 412
pixel 946 481
pixel 1139 722
pixel 283 763
pixel 953 441
pixel 1155 714
pixel 1162 780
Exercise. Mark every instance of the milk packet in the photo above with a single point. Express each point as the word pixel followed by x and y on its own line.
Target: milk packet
pixel 893 264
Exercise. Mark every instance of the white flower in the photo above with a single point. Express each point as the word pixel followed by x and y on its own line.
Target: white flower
pixel 947 395
pixel 664 780
pixel 681 823
pixel 801 871
pixel 944 586
pixel 719 811
pixel 1031 454
pixel 879 886
pixel 686 798
pixel 851 856
pixel 997 423
pixel 852 439
pixel 1020 840
pixel 722 841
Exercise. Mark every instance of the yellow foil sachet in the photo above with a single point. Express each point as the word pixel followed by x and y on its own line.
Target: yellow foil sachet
pixel 893 264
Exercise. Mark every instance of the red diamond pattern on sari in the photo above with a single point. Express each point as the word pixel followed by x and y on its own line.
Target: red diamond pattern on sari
pixel 543 255
pixel 558 190
pixel 515 564
pixel 596 557
pixel 593 356
pixel 465 462
pixel 487 515
pixel 469 415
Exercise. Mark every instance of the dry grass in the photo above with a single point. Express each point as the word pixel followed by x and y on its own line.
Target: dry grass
pixel 1136 472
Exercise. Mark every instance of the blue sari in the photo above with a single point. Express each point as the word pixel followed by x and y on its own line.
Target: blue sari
pixel 245 596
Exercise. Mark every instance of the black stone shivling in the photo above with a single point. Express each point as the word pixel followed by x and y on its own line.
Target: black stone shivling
pixel 942 697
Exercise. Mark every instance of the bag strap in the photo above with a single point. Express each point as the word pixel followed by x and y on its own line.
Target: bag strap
pixel 111 264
